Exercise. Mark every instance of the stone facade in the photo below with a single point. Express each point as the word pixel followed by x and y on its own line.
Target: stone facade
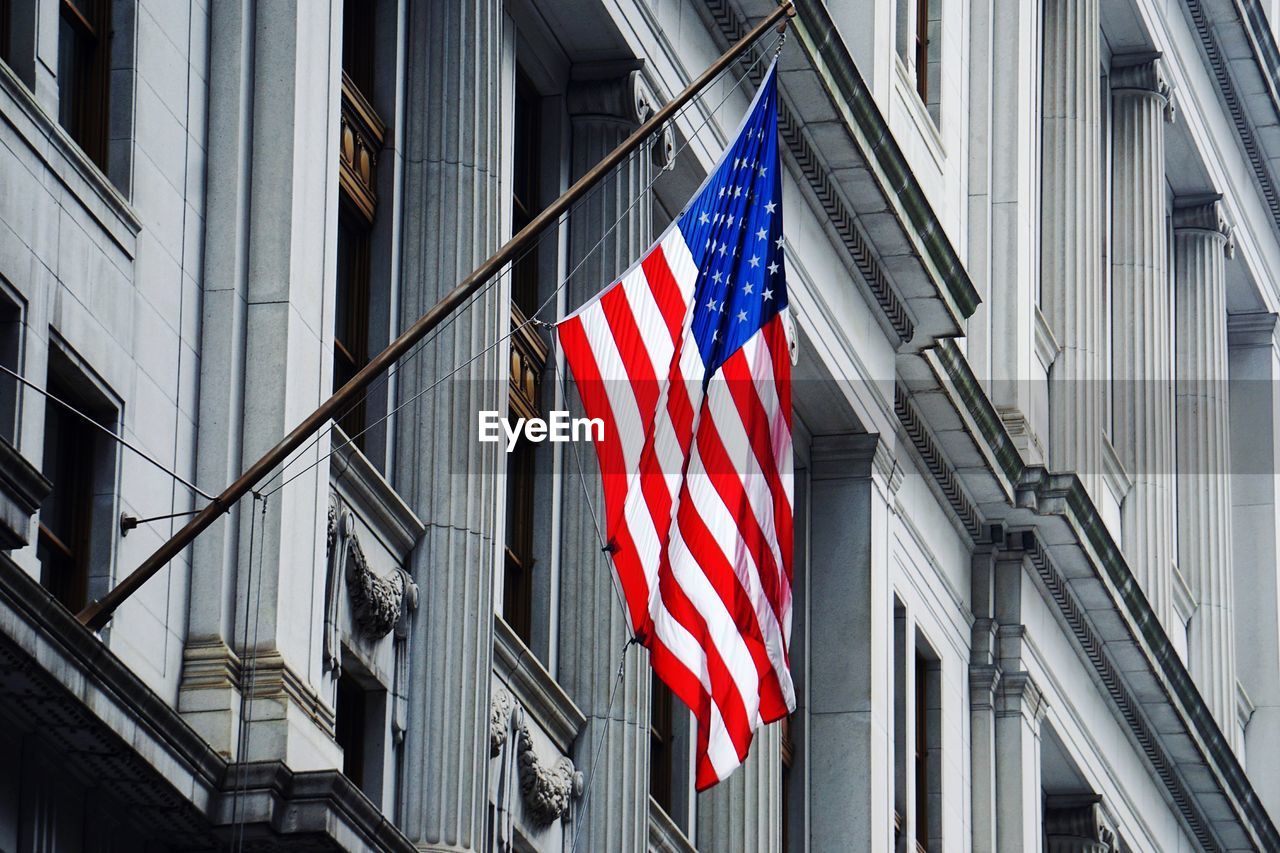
pixel 1033 250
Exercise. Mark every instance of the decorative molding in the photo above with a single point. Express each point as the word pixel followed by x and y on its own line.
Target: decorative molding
pixel 664 835
pixel 1220 66
pixel 209 665
pixel 1144 75
pixel 1244 707
pixel 273 679
pixel 943 474
pixel 500 707
pixel 372 497
pixel 360 136
pixel 375 601
pixel 547 789
pixel 1126 704
pixel 864 454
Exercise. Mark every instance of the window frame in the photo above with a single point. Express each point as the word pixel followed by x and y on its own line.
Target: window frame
pixel 91 73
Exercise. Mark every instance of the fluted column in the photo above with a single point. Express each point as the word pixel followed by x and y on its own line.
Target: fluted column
pixel 454 206
pixel 743 813
pixel 1202 243
pixel 606 103
pixel 1070 213
pixel 1141 306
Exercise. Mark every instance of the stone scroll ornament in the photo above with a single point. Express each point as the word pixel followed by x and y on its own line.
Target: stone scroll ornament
pixel 546 789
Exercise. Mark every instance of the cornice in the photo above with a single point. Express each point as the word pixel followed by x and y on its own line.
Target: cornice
pixel 539 694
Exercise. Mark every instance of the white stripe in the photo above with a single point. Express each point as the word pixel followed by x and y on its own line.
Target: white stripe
pixel 727 536
pixel 720 750
pixel 680 261
pixel 654 332
pixel 723 632
pixel 617 386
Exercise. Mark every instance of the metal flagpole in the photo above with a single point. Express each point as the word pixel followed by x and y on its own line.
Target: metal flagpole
pixel 97 614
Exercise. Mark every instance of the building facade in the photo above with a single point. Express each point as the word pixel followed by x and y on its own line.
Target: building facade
pixel 1032 247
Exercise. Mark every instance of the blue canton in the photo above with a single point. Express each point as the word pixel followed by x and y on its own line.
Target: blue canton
pixel 733 228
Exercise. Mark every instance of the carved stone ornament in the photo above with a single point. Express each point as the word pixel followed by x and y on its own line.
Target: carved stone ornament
pixel 375 601
pixel 547 789
pixel 499 719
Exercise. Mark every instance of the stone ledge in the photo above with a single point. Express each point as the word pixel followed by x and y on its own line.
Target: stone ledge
pixel 60 684
pixel 22 488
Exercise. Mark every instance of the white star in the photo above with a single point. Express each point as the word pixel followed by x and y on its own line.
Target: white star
pixel 717 278
pixel 736 161
pixel 711 305
pixel 722 192
pixel 779 241
pixel 770 207
pixel 728 283
pixel 755 260
pixel 704 219
pixel 767 294
pixel 721 308
pixel 715 335
pixel 729 220
pixel 747 288
pixel 762 171
pixel 723 249
pixel 737 192
pixel 742 316
pixel 773 268
pixel 761 234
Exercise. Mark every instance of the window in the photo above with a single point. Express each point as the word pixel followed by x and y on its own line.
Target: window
pixel 360 725
pixel 361 133
pixel 927 758
pixel 349 728
pixel 84 52
pixel 661 743
pixel 529 354
pixel 921 46
pixel 75 528
pixel 917 738
pixel 5 26
pixel 11 358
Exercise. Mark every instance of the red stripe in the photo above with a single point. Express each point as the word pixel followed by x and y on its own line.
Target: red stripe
pixel 665 290
pixel 634 353
pixel 721 576
pixel 723 474
pixel 755 420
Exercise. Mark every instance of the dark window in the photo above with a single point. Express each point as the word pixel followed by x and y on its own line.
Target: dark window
pixel 528 360
pixel 922 758
pixel 350 727
pixel 66 517
pixel 361 132
pixel 927 753
pixel 922 49
pixel 661 746
pixel 351 323
pixel 5 26
pixel 10 357
pixel 83 73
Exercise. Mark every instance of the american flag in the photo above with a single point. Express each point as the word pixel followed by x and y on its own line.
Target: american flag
pixel 686 360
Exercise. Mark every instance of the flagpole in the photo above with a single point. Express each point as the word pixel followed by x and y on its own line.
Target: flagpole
pixel 97 614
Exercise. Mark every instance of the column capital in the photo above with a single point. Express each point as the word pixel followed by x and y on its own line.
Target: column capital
pixel 1205 214
pixel 1017 694
pixel 867 454
pixel 1076 823
pixel 1143 74
pixel 616 91
pixel 1255 329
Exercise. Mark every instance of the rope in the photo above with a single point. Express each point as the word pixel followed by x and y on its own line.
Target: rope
pixel 116 438
pixel 248 678
pixel 580 819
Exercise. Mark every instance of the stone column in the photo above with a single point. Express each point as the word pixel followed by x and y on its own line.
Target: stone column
pixel 1255 507
pixel 1070 216
pixel 1141 306
pixel 257 583
pixel 850 715
pixel 743 813
pixel 606 103
pixel 1019 710
pixel 1202 243
pixel 455 207
pixel 984 678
